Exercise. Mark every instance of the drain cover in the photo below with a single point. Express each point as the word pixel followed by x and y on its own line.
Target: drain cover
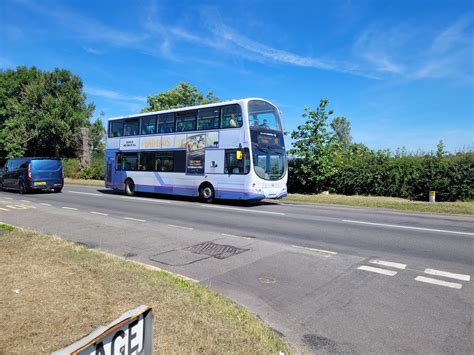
pixel 218 251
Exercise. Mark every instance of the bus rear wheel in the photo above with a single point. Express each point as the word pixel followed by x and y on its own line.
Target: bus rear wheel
pixel 129 187
pixel 206 193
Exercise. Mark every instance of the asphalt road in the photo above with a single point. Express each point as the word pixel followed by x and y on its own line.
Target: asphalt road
pixel 330 279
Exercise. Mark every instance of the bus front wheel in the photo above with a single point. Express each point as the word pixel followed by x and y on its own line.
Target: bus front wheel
pixel 206 192
pixel 129 187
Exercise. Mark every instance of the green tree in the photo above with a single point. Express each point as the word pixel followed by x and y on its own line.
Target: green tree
pixel 41 113
pixel 182 95
pixel 342 127
pixel 97 134
pixel 313 150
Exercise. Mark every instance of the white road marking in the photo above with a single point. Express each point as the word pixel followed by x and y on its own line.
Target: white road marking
pixel 86 193
pixel 134 219
pixel 70 208
pixel 45 204
pixel 314 249
pixel 8 198
pixel 18 207
pixel 235 236
pixel 377 270
pixel 448 274
pixel 438 282
pixel 244 210
pixel 408 227
pixel 4 209
pixel 25 201
pixel 99 213
pixel 144 199
pixel 125 197
pixel 175 226
pixel 388 263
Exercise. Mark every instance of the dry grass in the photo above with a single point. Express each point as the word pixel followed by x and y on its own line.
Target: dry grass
pixel 54 292
pixel 466 208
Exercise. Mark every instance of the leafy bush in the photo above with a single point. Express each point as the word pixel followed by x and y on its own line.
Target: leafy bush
pixel 71 168
pixel 95 170
pixel 361 171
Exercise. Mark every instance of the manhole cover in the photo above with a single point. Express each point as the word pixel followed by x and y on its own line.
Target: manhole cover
pixel 218 251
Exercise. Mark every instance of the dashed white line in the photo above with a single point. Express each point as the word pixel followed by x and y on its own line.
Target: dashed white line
pixel 134 219
pixel 8 198
pixel 438 282
pixel 45 204
pixel 244 210
pixel 317 250
pixel 70 208
pixel 25 201
pixel 448 274
pixel 144 199
pixel 86 193
pixel 4 209
pixel 182 227
pixel 408 227
pixel 388 263
pixel 235 236
pixel 99 213
pixel 377 270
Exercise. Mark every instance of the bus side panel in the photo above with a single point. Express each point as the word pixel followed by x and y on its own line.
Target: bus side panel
pixel 164 183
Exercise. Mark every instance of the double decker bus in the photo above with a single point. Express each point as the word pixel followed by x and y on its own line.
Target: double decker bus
pixel 227 150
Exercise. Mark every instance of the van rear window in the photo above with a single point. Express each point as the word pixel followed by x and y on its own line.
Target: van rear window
pixel 46 165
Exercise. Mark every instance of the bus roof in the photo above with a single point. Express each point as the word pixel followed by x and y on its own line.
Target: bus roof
pixel 229 102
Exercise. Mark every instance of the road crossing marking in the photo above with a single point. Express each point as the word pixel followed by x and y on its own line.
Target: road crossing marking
pixel 438 282
pixel 45 204
pixel 388 263
pixel 448 274
pixel 408 227
pixel 377 270
pixel 70 208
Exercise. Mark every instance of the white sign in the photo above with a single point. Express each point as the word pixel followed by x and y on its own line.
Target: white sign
pixel 131 333
pixel 129 143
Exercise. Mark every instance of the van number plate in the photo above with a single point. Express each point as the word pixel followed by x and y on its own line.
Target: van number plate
pixel 40 182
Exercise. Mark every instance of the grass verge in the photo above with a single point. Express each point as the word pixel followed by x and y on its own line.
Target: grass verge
pixel 466 208
pixel 84 182
pixel 55 292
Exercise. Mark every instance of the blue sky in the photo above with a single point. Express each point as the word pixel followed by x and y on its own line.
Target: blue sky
pixel 402 72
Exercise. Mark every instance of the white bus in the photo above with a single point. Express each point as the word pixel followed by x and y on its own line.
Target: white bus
pixel 227 150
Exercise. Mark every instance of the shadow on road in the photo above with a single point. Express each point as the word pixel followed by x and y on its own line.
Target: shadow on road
pixel 248 204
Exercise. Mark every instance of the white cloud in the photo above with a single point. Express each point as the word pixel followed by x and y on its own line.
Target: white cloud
pixel 451 53
pixel 113 95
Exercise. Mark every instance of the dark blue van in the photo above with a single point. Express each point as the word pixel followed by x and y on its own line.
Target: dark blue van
pixel 29 174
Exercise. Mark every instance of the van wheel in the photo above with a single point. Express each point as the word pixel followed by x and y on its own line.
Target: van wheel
pixel 206 192
pixel 58 190
pixel 21 188
pixel 129 187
